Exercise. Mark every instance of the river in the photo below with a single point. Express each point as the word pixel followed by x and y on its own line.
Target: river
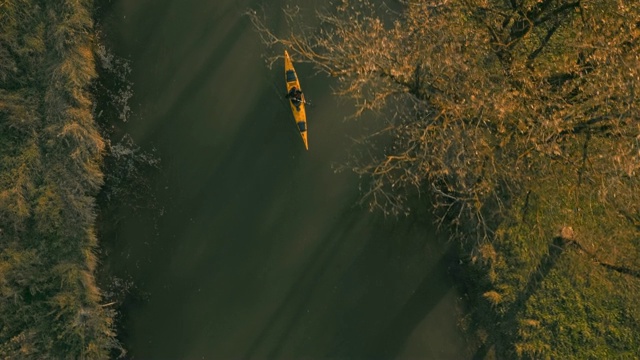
pixel 257 248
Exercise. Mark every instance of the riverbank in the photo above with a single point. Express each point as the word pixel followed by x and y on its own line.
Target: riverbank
pixel 560 277
pixel 51 155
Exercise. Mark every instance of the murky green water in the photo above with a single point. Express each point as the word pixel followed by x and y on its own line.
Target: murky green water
pixel 256 248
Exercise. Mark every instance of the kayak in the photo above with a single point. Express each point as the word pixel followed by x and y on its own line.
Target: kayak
pixel 297 106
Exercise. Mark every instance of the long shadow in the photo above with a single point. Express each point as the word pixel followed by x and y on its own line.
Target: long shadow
pixel 507 321
pixel 433 287
pixel 617 268
pixel 210 66
pixel 300 292
pixel 211 188
pixel 201 38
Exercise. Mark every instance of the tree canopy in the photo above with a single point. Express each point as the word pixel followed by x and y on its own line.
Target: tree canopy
pixel 476 89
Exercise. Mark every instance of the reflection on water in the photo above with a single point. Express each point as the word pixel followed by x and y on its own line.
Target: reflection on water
pixel 260 251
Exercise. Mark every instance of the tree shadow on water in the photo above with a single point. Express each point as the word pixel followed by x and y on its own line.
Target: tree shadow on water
pixel 431 290
pixel 282 321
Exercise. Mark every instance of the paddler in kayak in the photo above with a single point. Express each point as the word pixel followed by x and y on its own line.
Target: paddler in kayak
pixel 295 95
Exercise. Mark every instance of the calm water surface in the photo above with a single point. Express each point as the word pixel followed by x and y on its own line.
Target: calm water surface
pixel 260 251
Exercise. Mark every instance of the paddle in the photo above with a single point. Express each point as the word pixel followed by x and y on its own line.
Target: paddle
pixel 306 102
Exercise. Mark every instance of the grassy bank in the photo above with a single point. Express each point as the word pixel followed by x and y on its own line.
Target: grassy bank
pixel 561 277
pixel 50 156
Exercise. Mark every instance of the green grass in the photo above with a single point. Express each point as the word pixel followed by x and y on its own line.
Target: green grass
pixel 541 298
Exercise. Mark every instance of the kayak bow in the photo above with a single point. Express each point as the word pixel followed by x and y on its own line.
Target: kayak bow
pixel 299 113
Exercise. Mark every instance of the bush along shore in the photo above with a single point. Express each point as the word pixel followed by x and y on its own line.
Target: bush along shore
pixel 50 158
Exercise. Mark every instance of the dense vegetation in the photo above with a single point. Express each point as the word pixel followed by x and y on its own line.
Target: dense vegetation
pixel 50 156
pixel 521 122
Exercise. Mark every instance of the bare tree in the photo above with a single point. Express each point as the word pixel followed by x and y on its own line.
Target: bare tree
pixel 484 98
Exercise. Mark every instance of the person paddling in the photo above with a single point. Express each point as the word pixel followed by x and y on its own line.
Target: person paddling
pixel 295 95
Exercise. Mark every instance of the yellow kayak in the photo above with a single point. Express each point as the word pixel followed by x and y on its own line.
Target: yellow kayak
pixel 296 101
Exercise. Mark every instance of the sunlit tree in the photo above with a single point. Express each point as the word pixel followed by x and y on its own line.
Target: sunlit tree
pixel 482 98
